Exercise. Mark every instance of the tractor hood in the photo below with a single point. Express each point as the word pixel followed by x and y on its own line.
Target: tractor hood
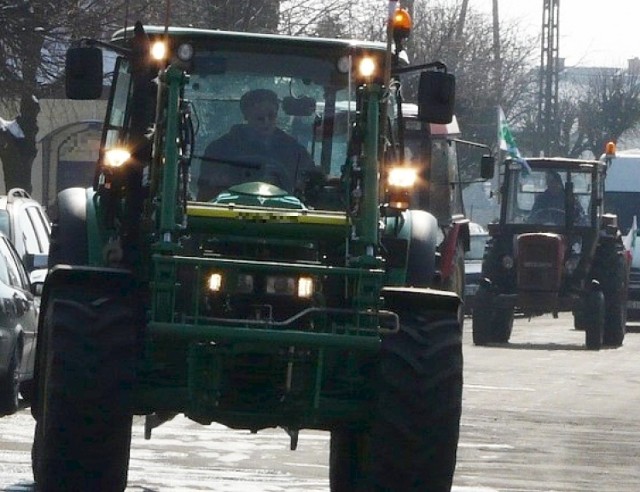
pixel 258 194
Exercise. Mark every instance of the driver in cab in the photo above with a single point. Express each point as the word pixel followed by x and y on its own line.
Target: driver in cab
pixel 257 143
pixel 552 200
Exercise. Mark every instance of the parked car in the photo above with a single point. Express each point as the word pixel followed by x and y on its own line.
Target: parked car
pixel 25 222
pixel 18 328
pixel 478 237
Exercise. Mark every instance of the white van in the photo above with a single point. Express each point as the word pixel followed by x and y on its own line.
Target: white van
pixel 622 197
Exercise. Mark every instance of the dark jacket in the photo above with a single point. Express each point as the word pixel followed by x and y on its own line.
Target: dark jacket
pixel 556 201
pixel 240 156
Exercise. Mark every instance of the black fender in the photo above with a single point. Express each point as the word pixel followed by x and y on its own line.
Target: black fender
pixel 416 299
pixel 69 236
pixel 421 258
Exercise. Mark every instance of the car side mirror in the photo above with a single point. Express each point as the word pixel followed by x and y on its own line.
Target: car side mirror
pixel 37 278
pixel 37 288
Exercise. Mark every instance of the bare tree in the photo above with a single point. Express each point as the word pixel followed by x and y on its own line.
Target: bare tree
pixel 610 107
pixel 35 36
pixel 470 56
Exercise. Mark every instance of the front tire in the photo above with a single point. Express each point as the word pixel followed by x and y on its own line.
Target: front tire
pixel 490 324
pixel 83 428
pixel 614 287
pixel 415 433
pixel 594 328
pixel 412 444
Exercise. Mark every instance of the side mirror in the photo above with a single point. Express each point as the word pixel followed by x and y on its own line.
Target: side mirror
pixel 83 73
pixel 487 166
pixel 35 261
pixel 302 106
pixel 436 97
pixel 37 278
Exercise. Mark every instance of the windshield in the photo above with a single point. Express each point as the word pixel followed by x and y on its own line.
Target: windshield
pixel 625 205
pixel 477 243
pixel 542 195
pixel 265 117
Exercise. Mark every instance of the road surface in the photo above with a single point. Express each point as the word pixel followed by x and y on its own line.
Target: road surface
pixel 540 414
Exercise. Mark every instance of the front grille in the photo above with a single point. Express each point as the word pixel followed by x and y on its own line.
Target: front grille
pixel 539 262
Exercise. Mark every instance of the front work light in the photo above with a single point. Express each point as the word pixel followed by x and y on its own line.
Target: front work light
pixel 401 23
pixel 367 67
pixel 610 150
pixel 402 177
pixel 159 50
pixel 214 282
pixel 305 287
pixel 185 52
pixel 116 157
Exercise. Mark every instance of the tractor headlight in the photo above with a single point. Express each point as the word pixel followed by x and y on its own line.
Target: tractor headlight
pixel 400 182
pixel 507 262
pixel 289 286
pixel 571 264
pixel 159 50
pixel 305 287
pixel 244 284
pixel 214 282
pixel 402 177
pixel 280 285
pixel 367 67
pixel 185 52
pixel 116 157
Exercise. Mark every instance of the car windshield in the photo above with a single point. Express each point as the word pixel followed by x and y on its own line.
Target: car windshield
pixel 625 205
pixel 541 195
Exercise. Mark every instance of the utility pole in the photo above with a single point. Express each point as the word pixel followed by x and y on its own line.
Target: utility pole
pixel 461 20
pixel 497 56
pixel 549 71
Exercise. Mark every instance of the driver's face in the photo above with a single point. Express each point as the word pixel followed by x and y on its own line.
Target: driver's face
pixel 555 186
pixel 262 118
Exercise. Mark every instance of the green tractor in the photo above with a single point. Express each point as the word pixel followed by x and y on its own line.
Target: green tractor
pixel 300 304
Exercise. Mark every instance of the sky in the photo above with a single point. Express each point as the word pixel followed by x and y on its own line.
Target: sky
pixel 592 32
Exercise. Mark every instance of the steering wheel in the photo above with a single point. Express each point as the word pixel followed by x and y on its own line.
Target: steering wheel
pixel 264 168
pixel 547 216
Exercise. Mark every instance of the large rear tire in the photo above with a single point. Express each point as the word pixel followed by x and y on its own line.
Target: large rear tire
pixel 83 426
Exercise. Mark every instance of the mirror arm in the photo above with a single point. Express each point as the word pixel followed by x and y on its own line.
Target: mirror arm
pixel 438 65
pixel 89 43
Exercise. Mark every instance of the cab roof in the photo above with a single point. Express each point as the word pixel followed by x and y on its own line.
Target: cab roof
pixel 561 163
pixel 213 34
